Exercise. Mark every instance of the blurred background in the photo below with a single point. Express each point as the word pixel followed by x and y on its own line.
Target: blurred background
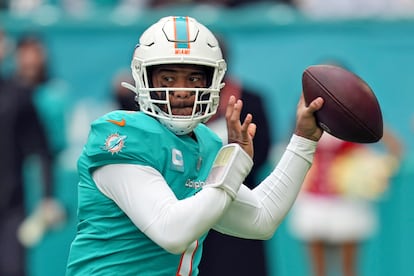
pixel 89 46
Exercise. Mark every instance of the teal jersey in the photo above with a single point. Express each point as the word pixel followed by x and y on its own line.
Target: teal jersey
pixel 107 242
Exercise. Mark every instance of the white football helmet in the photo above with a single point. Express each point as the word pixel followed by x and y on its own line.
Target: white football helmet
pixel 177 40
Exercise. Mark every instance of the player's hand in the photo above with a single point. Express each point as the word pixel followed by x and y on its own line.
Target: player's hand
pixel 306 125
pixel 237 132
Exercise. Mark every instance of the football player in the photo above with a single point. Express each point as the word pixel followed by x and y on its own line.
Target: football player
pixel 154 182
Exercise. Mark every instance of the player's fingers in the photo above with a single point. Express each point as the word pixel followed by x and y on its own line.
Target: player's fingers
pixel 235 115
pixel 247 121
pixel 230 107
pixel 316 104
pixel 234 127
pixel 233 122
pixel 252 130
pixel 246 128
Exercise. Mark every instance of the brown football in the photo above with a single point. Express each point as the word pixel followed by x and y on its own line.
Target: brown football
pixel 351 110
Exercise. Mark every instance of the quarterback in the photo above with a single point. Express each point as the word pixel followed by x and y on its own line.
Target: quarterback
pixel 154 182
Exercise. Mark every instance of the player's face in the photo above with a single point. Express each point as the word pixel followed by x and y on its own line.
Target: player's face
pixel 180 76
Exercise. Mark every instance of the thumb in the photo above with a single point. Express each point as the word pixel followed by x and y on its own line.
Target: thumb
pixel 252 130
pixel 316 104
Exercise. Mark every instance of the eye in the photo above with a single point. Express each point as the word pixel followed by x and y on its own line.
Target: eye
pixel 168 79
pixel 195 79
pixel 198 78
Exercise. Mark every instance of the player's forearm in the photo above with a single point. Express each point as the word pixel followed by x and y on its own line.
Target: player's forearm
pixel 182 222
pixel 257 213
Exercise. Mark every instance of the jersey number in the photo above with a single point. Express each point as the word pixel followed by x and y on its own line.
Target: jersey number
pixel 186 262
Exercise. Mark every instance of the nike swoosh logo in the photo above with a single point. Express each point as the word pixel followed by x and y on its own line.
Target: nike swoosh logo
pixel 118 123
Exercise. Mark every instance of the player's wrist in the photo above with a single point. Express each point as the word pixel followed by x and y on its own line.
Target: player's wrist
pixel 314 137
pixel 302 146
pixel 230 168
